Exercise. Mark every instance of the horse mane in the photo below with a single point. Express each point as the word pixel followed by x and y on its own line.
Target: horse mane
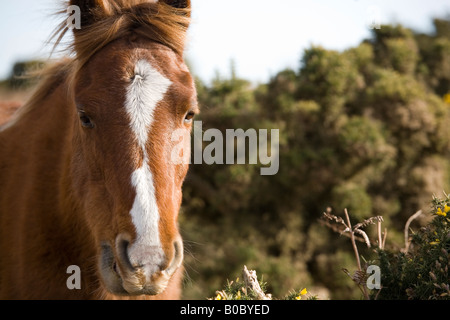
pixel 111 20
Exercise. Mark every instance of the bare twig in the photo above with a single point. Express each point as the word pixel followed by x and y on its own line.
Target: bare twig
pixel 339 229
pixel 364 235
pixel 381 235
pixel 352 238
pixel 332 217
pixel 384 237
pixel 344 227
pixel 355 249
pixel 368 221
pixel 407 242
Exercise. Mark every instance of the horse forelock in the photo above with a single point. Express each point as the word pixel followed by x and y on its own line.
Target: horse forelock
pixel 156 21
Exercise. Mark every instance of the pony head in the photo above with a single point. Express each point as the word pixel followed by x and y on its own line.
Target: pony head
pixel 130 91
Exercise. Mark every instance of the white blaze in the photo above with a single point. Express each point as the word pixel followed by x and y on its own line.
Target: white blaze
pixel 146 90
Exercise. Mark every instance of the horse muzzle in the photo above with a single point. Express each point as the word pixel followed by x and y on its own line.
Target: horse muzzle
pixel 138 269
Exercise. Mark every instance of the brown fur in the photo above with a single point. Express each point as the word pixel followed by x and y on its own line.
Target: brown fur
pixel 65 189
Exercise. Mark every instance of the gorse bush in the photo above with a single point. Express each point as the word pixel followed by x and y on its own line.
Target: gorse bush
pixel 417 271
pixel 364 129
pixel 423 271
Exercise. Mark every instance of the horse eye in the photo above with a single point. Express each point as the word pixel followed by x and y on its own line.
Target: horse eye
pixel 85 120
pixel 189 116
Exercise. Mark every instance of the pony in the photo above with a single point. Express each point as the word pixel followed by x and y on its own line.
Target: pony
pixel 89 192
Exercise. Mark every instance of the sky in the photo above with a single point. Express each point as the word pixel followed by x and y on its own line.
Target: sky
pixel 260 37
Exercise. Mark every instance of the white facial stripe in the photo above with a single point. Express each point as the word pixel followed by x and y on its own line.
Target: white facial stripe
pixel 143 95
pixel 146 90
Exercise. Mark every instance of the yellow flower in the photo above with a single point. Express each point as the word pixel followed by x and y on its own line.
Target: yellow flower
pixel 441 213
pixel 218 297
pixel 446 208
pixel 298 298
pixel 303 292
pixel 238 295
pixel 447 98
pixel 435 242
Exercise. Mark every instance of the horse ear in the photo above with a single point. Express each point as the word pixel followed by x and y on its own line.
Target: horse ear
pixel 86 8
pixel 180 4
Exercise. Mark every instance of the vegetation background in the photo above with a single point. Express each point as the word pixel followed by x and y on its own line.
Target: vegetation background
pixel 367 129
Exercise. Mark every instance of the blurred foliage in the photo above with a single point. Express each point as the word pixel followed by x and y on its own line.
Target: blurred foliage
pixel 24 75
pixel 364 129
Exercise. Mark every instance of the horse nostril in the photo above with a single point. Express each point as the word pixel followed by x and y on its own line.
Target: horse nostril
pixel 177 258
pixel 145 268
pixel 115 267
pixel 122 245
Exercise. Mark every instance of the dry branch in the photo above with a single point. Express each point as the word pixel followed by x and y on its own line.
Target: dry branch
pixel 407 242
pixel 251 282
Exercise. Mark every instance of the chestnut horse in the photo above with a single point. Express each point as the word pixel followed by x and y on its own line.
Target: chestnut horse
pixel 86 177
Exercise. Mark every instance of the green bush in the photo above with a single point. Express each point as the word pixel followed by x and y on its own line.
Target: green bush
pixel 423 271
pixel 364 129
